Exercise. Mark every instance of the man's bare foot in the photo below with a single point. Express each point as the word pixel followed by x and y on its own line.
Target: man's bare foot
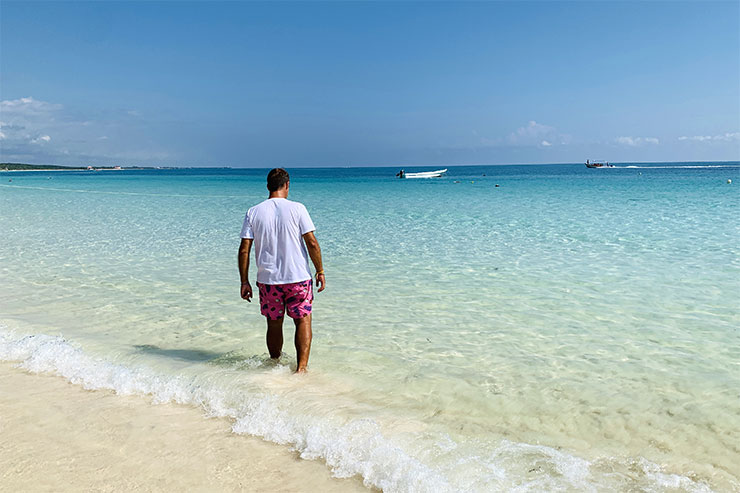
pixel 301 370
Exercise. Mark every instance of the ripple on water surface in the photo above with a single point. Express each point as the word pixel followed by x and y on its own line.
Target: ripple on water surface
pixel 569 329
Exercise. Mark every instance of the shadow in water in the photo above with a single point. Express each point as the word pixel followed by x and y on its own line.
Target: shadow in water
pixel 233 359
pixel 182 354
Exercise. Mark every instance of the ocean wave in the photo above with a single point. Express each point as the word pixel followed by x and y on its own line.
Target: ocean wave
pixel 679 167
pixel 349 448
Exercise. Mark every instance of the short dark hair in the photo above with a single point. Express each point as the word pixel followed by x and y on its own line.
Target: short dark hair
pixel 276 178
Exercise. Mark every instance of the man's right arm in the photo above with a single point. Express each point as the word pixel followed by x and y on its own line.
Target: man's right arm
pixel 314 251
pixel 244 247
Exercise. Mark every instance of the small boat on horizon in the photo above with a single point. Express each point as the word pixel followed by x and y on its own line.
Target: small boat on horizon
pixel 422 174
pixel 598 164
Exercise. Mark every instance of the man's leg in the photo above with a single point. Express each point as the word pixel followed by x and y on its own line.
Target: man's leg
pixel 275 337
pixel 302 341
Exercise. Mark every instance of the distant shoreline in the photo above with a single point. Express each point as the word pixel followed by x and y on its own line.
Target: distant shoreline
pixel 53 167
pixel 78 169
pixel 11 167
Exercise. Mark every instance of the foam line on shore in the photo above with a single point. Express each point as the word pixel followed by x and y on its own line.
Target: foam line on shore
pixel 356 447
pixel 366 452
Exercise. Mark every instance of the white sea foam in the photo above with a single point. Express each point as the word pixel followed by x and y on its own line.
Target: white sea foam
pixel 680 167
pixel 357 447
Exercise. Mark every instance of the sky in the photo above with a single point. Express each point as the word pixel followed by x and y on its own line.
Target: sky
pixel 251 84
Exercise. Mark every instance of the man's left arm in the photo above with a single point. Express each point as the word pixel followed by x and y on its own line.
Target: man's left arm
pixel 244 248
pixel 314 251
pixel 312 245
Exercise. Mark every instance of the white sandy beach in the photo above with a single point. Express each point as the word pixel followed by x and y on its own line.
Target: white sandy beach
pixel 55 436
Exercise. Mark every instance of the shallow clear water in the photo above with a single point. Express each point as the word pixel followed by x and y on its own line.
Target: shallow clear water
pixel 569 329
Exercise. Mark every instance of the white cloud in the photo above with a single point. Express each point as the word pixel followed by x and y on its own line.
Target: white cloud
pixel 28 121
pixel 40 139
pixel 636 141
pixel 725 137
pixel 626 141
pixel 532 134
pixel 729 136
pixel 532 131
pixel 26 106
pixel 100 136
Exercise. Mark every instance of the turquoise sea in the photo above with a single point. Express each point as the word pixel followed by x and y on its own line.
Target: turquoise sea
pixel 572 329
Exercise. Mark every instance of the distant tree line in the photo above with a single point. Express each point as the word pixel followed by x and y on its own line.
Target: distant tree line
pixel 21 166
pixel 31 167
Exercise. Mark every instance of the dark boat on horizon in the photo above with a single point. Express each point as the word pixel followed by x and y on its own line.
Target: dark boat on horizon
pixel 598 164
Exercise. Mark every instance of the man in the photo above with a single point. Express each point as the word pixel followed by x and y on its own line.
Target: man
pixel 282 233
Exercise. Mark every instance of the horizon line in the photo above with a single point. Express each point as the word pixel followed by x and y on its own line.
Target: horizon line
pixel 351 166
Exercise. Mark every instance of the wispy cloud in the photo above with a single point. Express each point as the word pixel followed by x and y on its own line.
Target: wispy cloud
pixel 26 120
pixel 41 139
pixel 37 131
pixel 636 141
pixel 725 137
pixel 26 106
pixel 532 134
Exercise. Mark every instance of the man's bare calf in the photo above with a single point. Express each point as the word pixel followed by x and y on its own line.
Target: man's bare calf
pixel 303 336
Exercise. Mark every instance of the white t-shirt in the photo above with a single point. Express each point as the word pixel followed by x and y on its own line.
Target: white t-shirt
pixel 277 227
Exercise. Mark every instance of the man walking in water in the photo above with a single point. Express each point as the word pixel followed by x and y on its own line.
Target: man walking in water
pixel 282 233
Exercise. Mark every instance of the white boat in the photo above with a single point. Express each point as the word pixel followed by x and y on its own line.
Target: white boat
pixel 598 164
pixel 422 174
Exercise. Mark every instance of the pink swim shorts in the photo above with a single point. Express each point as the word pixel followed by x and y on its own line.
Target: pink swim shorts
pixel 295 298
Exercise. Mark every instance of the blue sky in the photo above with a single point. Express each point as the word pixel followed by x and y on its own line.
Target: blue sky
pixel 357 84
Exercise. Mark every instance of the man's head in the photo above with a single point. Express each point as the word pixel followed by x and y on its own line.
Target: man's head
pixel 276 179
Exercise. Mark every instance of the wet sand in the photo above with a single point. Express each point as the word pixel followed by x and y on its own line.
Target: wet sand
pixel 55 436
